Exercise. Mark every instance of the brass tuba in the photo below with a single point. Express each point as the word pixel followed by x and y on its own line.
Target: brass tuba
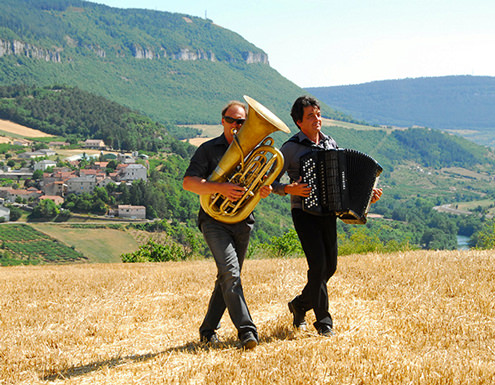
pixel 257 166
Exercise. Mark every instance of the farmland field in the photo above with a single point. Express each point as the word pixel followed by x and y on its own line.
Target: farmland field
pixel 21 131
pixel 27 245
pixel 99 245
pixel 420 317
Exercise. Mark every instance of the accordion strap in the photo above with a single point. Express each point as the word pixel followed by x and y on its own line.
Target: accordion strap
pixel 308 143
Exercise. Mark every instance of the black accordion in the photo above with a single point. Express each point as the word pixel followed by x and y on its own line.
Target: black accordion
pixel 341 181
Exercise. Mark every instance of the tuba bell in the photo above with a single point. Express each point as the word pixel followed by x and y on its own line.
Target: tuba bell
pixel 251 161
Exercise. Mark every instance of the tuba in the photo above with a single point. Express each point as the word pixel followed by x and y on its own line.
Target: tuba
pixel 250 161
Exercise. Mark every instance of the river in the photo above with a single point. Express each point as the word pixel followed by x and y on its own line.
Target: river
pixel 462 242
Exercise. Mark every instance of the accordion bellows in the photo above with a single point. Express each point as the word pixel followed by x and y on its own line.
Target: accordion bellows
pixel 341 181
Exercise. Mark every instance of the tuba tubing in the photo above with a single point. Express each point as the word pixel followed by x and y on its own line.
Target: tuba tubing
pixel 256 168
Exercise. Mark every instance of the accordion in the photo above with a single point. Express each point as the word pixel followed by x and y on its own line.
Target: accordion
pixel 341 181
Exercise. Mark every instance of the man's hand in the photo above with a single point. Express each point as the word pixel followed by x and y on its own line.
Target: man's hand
pixel 296 188
pixel 231 191
pixel 265 191
pixel 377 193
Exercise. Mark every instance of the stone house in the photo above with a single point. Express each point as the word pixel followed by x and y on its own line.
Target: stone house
pixel 55 198
pixel 82 184
pixel 133 172
pixel 131 212
pixel 44 164
pixel 57 187
pixel 94 143
pixel 10 194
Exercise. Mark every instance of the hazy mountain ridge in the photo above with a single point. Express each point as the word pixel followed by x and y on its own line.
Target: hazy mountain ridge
pixel 457 103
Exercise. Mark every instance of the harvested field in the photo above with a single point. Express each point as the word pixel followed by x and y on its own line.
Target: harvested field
pixel 403 318
pixel 17 129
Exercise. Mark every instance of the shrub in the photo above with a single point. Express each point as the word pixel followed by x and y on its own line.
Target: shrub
pixel 154 252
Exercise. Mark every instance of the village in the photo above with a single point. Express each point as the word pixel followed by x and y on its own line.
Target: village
pixel 56 183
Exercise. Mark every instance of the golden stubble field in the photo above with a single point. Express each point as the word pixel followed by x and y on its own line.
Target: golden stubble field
pixel 17 129
pixel 404 318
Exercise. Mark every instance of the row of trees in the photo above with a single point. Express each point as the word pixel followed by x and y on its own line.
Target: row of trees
pixel 357 240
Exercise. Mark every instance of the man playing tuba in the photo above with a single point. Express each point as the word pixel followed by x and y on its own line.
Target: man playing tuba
pixel 228 242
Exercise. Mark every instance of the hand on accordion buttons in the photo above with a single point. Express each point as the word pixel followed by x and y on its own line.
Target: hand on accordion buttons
pixel 296 188
pixel 377 193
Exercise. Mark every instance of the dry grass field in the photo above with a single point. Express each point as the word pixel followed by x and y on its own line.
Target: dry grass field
pixel 17 129
pixel 404 318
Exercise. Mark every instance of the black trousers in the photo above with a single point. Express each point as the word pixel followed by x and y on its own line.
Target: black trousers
pixel 318 236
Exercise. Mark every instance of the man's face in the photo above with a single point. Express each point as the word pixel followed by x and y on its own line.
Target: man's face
pixel 310 124
pixel 235 112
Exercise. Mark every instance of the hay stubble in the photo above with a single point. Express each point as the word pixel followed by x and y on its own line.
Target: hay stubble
pixel 417 317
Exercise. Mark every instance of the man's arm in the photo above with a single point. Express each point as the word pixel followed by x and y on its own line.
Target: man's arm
pixel 202 186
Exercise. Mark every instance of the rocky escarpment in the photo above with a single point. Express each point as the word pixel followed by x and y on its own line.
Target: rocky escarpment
pixel 19 48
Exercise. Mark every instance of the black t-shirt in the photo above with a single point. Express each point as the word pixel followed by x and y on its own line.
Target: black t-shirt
pixel 204 162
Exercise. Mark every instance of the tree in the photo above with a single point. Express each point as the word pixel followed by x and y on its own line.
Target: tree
pixel 101 193
pixel 98 207
pixel 485 238
pixel 38 174
pixel 154 252
pixel 45 209
pixel 15 212
pixel 286 245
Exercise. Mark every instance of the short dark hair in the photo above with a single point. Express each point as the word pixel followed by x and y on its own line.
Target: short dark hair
pixel 233 103
pixel 297 111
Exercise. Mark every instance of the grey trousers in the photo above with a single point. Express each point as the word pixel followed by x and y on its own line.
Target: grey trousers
pixel 228 244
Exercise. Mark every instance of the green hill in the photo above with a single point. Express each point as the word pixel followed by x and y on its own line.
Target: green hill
pixel 423 146
pixel 172 67
pixel 462 104
pixel 422 168
pixel 75 115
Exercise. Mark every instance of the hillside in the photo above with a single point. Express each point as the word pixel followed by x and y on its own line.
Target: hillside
pixel 461 104
pixel 426 164
pixel 414 317
pixel 172 67
pixel 76 115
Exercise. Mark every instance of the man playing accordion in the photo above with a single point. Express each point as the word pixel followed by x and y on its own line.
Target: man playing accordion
pixel 317 233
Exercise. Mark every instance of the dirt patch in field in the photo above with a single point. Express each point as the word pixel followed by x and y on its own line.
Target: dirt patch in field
pixel 17 129
pixel 198 141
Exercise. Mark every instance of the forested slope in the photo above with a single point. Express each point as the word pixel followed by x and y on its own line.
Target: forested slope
pixel 417 166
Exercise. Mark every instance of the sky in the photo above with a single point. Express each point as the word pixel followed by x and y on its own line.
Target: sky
pixel 320 43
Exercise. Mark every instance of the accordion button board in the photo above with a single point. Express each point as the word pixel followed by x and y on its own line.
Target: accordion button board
pixel 341 181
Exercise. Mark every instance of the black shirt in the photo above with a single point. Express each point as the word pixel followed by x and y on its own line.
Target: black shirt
pixel 204 162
